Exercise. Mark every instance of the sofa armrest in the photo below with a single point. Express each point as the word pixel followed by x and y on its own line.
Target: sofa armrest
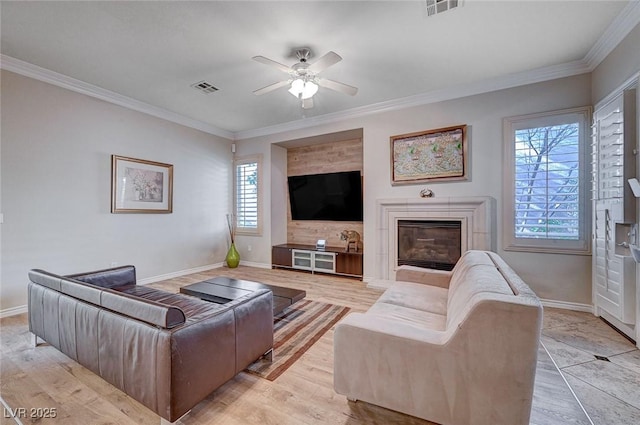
pixel 254 326
pixel 155 313
pixel 431 277
pixel 367 345
pixel 108 278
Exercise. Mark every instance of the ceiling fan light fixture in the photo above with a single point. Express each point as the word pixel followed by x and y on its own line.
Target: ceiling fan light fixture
pixel 303 89
pixel 303 80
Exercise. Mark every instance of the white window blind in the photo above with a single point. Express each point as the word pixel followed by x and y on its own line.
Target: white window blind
pixel 547 182
pixel 247 195
pixel 546 171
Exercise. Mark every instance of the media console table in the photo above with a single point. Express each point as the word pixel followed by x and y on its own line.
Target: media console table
pixel 333 260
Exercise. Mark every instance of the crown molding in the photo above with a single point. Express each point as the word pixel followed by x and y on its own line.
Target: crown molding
pixel 619 28
pixel 614 34
pixel 42 74
pixel 631 82
pixel 493 84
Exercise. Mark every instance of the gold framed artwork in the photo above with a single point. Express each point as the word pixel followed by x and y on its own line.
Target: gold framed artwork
pixel 140 186
pixel 427 156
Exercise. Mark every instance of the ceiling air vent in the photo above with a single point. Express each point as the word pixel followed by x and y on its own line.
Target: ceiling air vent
pixel 439 6
pixel 204 87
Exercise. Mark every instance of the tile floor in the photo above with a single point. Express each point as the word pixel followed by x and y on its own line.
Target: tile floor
pixel 609 389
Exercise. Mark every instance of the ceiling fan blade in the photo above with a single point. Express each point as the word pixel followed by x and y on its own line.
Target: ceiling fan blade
pixel 270 87
pixel 307 103
pixel 267 61
pixel 340 87
pixel 325 62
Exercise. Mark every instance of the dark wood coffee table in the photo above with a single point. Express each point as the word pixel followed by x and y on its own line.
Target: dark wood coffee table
pixel 223 289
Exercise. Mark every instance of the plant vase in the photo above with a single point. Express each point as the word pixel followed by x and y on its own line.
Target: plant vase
pixel 233 257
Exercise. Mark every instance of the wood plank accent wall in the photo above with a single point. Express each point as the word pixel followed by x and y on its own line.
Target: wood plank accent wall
pixel 316 159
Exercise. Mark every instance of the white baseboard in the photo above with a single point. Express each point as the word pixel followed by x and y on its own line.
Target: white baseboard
pixel 587 308
pixel 254 264
pixel 23 308
pixel 13 311
pixel 627 329
pixel 179 273
pixel 379 284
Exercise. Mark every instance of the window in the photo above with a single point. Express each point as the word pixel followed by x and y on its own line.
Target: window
pixel 545 187
pixel 248 181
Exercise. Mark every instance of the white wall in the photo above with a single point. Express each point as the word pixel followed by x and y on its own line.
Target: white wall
pixel 557 277
pixel 55 187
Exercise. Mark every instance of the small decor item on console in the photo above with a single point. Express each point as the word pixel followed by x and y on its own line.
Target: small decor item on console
pixel 352 237
pixel 321 244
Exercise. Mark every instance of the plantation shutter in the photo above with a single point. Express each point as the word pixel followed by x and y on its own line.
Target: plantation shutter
pixel 247 195
pixel 547 182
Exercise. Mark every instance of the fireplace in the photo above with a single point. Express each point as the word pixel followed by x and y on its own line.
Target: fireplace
pixel 475 215
pixel 434 244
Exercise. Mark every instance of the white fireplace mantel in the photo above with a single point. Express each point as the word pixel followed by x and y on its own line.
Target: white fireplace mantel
pixel 476 215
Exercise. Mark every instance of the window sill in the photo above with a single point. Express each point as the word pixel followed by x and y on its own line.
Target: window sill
pixel 548 250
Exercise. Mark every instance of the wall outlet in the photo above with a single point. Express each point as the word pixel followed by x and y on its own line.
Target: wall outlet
pixel 249 248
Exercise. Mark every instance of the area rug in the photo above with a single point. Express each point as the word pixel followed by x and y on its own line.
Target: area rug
pixel 295 330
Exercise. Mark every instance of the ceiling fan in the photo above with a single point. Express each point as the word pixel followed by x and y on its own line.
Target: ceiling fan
pixel 303 76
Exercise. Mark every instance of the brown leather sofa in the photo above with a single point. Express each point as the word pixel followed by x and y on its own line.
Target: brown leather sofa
pixel 168 351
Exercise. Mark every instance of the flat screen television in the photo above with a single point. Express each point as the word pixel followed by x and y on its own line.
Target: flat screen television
pixel 330 196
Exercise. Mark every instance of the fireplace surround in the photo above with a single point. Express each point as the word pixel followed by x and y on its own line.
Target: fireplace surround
pixel 476 216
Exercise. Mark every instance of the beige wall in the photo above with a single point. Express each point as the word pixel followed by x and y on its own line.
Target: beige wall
pixel 556 277
pixel 55 187
pixel 279 195
pixel 620 65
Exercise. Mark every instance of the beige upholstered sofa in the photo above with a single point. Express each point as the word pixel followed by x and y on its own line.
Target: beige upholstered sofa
pixel 455 348
pixel 168 351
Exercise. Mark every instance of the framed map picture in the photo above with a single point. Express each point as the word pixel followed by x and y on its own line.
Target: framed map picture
pixel 140 186
pixel 427 156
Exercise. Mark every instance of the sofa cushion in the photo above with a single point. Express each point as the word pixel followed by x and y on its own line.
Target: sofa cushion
pixel 428 298
pixel 409 316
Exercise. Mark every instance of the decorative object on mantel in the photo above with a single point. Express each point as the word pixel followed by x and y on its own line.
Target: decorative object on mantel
pixel 427 156
pixel 233 256
pixel 426 193
pixel 140 186
pixel 352 237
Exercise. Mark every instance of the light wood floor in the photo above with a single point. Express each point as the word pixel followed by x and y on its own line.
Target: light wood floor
pixel 42 377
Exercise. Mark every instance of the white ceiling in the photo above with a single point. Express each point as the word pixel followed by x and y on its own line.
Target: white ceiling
pixel 152 52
